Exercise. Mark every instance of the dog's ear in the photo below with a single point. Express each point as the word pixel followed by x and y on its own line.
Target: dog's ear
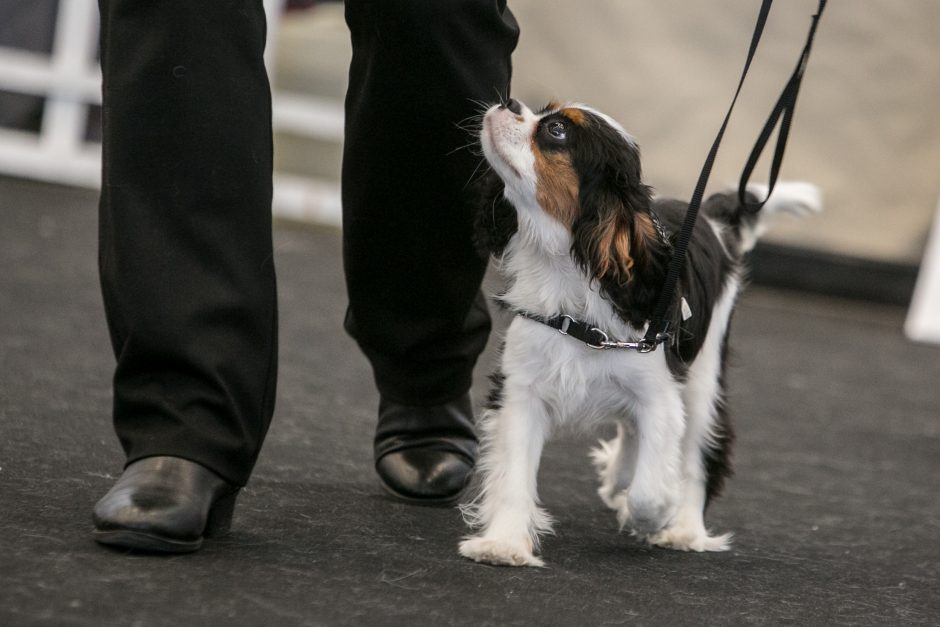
pixel 496 220
pixel 615 240
pixel 613 235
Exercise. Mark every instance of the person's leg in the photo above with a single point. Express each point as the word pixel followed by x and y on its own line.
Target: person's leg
pixel 419 69
pixel 185 250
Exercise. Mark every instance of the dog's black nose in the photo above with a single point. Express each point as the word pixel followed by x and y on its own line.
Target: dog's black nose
pixel 514 106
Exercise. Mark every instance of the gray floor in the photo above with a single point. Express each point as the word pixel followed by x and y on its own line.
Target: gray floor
pixel 834 505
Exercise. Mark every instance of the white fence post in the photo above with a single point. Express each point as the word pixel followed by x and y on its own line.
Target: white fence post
pixel 73 49
pixel 923 317
pixel 70 82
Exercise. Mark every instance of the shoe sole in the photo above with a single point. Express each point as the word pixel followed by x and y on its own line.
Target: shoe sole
pixel 442 501
pixel 145 542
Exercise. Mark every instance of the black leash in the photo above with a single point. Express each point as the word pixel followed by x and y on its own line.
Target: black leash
pixel 658 331
pixel 785 106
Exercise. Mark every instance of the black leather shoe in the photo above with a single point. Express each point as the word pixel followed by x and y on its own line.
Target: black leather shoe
pixel 425 454
pixel 164 504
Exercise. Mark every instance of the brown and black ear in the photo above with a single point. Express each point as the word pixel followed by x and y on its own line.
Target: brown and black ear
pixel 617 245
pixel 613 234
pixel 496 221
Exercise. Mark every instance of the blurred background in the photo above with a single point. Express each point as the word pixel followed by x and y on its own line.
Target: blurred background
pixel 866 128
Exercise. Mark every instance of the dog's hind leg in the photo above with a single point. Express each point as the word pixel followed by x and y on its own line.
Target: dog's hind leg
pixel 615 462
pixel 506 508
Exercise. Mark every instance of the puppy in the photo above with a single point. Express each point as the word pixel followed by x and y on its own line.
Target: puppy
pixel 578 236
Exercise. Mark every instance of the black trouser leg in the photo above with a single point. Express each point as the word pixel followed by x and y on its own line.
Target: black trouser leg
pixel 185 229
pixel 412 274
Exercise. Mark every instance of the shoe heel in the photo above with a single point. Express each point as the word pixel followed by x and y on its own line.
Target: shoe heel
pixel 220 516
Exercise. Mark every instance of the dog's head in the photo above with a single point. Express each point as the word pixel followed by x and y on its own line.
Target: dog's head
pixel 580 169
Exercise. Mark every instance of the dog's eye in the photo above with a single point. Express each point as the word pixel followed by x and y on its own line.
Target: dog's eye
pixel 557 129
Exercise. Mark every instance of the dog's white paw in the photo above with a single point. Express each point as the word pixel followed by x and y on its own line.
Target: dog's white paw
pixel 646 514
pixel 499 552
pixel 684 538
pixel 643 517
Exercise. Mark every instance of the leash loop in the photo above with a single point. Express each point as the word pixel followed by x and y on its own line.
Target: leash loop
pixel 785 105
pixel 782 112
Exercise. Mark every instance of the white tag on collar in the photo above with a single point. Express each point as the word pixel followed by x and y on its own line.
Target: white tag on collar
pixel 686 310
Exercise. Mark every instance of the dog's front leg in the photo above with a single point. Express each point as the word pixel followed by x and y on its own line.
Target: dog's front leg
pixel 506 508
pixel 654 492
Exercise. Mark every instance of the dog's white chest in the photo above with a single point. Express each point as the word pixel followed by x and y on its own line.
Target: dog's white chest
pixel 577 384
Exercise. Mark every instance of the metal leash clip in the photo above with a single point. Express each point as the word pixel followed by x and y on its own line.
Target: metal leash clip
pixel 641 346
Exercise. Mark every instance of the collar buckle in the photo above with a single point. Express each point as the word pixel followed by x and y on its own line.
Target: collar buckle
pixel 604 342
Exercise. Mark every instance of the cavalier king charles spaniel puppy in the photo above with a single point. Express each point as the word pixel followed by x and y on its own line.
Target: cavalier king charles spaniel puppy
pixel 583 245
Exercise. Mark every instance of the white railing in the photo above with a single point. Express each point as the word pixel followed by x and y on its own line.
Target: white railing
pixel 70 82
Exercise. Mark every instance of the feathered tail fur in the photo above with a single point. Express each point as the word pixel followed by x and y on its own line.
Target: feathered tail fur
pixel 741 228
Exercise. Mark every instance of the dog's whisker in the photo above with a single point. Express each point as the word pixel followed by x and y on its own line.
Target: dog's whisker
pixel 473 130
pixel 473 175
pixel 468 145
pixel 476 117
pixel 482 106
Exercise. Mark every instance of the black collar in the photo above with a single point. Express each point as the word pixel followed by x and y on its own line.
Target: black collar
pixel 566 325
pixel 591 335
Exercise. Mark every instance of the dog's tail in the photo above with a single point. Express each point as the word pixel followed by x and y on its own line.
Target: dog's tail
pixel 741 228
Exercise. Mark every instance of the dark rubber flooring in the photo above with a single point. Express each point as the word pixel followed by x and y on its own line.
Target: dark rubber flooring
pixel 835 505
